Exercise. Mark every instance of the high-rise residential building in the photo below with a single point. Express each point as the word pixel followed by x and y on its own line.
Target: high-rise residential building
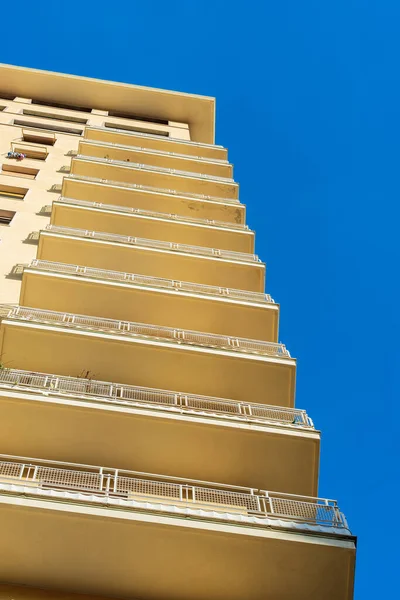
pixel 151 448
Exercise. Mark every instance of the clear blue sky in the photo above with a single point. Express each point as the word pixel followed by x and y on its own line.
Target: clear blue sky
pixel 308 100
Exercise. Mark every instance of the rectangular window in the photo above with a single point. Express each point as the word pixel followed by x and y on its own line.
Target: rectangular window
pixel 48 127
pixel 122 115
pixel 59 105
pixel 45 115
pixel 12 192
pixel 6 216
pixel 31 150
pixel 137 129
pixel 17 171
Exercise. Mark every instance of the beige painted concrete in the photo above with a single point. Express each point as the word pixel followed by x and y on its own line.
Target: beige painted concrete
pixel 154 158
pixel 181 445
pixel 148 362
pixel 125 553
pixel 170 230
pixel 143 260
pixel 196 111
pixel 230 212
pixel 14 244
pixel 170 144
pixel 145 304
pixel 166 180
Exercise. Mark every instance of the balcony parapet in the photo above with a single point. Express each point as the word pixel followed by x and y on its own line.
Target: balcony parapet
pixel 91 390
pixel 148 331
pixel 151 188
pixel 154 151
pixel 153 136
pixel 153 214
pixel 146 167
pixel 146 280
pixel 131 490
pixel 158 244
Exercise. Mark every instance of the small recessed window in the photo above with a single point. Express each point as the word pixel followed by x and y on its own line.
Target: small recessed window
pixel 136 128
pixel 59 105
pixel 123 115
pixel 17 171
pixel 2 108
pixel 30 150
pixel 46 115
pixel 6 216
pixel 12 192
pixel 43 129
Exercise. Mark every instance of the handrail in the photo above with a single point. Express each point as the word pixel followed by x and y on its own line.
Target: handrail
pixel 160 244
pixel 135 396
pixel 146 167
pixel 152 188
pixel 133 489
pixel 148 150
pixel 154 136
pixel 147 280
pixel 131 329
pixel 152 213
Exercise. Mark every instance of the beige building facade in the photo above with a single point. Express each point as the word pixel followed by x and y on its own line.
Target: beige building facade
pixel 150 443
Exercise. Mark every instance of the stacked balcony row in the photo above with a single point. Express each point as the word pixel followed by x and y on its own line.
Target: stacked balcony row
pixel 144 341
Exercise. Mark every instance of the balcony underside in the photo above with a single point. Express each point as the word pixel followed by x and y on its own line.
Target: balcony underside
pixel 148 362
pixel 153 200
pixel 138 175
pixel 153 228
pixel 156 143
pixel 129 554
pixel 151 440
pixel 124 301
pixel 151 157
pixel 151 261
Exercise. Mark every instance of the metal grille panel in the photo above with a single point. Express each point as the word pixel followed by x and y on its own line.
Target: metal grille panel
pixel 9 469
pixel 68 478
pixel 222 497
pixel 144 487
pixel 167 333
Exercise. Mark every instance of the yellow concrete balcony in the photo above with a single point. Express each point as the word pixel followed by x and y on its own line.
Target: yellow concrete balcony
pixel 83 214
pixel 150 197
pixel 156 158
pixel 148 355
pixel 137 173
pixel 157 143
pixel 223 268
pixel 134 535
pixel 198 437
pixel 119 295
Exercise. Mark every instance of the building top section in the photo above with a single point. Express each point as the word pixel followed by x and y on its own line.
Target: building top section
pixel 197 111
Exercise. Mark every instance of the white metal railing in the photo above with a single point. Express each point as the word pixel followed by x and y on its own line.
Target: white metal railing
pixel 159 282
pixel 146 167
pixel 214 500
pixel 152 188
pixel 135 396
pixel 160 244
pixel 149 150
pixel 128 328
pixel 154 136
pixel 154 214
